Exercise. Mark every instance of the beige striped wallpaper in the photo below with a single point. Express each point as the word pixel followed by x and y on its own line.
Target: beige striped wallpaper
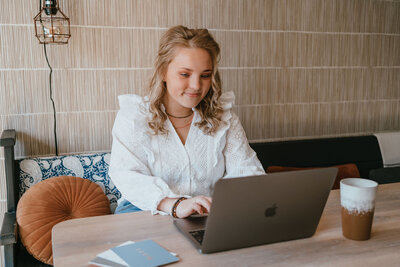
pixel 299 68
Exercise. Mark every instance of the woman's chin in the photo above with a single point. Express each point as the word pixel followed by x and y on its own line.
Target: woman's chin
pixel 190 103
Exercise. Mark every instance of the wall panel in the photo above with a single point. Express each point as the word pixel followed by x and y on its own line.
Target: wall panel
pixel 88 48
pixel 76 132
pixel 85 131
pixel 25 91
pixel 308 85
pixel 3 188
pixel 34 133
pixel 3 209
pixel 299 64
pixel 318 119
pixel 97 90
pixel 290 15
pixel 286 59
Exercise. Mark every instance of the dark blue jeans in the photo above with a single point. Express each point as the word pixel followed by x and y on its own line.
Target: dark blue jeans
pixel 125 206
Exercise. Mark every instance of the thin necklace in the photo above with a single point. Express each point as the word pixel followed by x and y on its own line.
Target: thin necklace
pixel 176 117
pixel 182 126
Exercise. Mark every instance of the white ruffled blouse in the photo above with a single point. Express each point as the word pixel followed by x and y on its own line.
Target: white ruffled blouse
pixel 147 168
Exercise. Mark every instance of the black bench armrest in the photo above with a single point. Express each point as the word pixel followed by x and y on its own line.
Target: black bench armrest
pixel 8 229
pixel 7 138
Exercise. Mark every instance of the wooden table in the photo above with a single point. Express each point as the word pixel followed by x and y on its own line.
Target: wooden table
pixel 77 241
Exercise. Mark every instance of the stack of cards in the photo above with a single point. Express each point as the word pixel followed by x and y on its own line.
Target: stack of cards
pixel 145 253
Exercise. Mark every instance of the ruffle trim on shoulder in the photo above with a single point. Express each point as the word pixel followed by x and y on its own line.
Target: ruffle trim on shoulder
pixel 134 109
pixel 133 106
pixel 130 101
pixel 227 100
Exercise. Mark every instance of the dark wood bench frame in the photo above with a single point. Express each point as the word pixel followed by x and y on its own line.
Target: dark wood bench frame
pixel 15 253
pixel 9 229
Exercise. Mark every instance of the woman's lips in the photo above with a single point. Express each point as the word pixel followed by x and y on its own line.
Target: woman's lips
pixel 192 94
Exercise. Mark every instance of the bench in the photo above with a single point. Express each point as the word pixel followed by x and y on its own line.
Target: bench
pixel 363 151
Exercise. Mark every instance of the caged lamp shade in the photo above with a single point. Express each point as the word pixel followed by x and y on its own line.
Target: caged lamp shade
pixel 51 24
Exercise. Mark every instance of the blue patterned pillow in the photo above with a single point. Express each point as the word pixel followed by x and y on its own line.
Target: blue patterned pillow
pixel 91 166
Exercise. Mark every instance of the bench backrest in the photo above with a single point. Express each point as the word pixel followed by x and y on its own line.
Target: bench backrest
pixel 363 151
pixel 89 166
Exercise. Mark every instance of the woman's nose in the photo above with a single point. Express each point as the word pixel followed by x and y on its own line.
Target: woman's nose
pixel 195 82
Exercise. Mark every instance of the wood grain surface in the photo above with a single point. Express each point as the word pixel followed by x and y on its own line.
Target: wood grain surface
pixel 75 242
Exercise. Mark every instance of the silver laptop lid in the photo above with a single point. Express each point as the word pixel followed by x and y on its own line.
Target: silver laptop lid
pixel 248 211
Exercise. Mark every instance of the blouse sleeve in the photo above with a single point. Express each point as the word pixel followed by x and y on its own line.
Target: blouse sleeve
pixel 128 165
pixel 240 159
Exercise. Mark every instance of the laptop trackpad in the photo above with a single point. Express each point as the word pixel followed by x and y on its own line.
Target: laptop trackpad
pixel 192 223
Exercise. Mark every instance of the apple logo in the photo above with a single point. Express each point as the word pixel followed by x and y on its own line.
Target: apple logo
pixel 271 211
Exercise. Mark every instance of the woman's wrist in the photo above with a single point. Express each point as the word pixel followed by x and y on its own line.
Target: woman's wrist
pixel 170 205
pixel 175 206
pixel 166 204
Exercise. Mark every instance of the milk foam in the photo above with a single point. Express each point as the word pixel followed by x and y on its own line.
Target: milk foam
pixel 357 206
pixel 358 195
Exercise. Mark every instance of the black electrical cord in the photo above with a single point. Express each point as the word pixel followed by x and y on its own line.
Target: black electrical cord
pixel 52 101
pixel 51 91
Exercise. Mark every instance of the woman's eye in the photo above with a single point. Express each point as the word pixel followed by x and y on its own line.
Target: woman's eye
pixel 184 75
pixel 206 76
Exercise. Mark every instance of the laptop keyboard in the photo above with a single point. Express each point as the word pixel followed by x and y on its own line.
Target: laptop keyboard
pixel 198 235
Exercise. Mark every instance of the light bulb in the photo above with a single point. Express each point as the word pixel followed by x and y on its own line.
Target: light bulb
pixel 55 29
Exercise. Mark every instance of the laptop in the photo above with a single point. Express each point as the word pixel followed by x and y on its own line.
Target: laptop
pixel 263 209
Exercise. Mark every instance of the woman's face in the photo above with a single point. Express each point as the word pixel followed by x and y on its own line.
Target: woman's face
pixel 188 79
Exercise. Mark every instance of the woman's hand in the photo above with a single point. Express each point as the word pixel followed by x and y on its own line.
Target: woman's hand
pixel 199 204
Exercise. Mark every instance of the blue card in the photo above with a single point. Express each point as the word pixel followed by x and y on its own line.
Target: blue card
pixel 145 253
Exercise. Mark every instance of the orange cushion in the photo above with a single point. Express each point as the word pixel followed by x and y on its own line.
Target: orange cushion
pixel 344 171
pixel 52 201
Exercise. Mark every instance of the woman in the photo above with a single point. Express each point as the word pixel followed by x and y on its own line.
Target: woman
pixel 170 147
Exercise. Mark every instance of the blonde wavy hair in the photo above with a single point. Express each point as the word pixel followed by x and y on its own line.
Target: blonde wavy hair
pixel 209 108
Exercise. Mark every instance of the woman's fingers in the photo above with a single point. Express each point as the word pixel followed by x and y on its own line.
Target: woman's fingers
pixel 196 207
pixel 199 204
pixel 205 203
pixel 188 207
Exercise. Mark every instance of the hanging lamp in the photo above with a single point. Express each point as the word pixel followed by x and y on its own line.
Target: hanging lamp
pixel 52 26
